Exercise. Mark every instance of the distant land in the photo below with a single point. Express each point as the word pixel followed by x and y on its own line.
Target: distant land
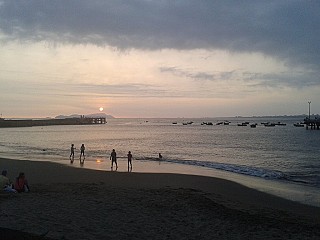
pixel 280 116
pixel 103 115
pixel 302 116
pixel 94 115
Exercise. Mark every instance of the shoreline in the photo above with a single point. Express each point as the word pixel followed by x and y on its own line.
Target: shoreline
pixel 54 173
pixel 82 192
pixel 308 195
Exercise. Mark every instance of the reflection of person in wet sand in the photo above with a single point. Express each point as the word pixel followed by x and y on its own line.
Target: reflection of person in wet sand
pixel 129 161
pixel 113 158
pixel 72 153
pixel 82 148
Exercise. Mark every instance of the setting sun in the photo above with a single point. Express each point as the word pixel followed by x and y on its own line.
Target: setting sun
pixel 101 109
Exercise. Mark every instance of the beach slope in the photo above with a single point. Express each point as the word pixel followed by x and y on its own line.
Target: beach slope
pixel 77 203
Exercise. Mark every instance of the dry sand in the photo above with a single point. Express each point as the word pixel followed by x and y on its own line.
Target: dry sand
pixel 73 203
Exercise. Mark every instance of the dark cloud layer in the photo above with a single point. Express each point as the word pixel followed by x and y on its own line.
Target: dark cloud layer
pixel 287 29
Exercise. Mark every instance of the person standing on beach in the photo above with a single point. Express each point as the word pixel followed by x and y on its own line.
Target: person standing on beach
pixel 160 158
pixel 72 152
pixel 129 161
pixel 82 148
pixel 113 158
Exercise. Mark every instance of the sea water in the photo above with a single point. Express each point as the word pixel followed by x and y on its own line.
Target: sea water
pixel 282 160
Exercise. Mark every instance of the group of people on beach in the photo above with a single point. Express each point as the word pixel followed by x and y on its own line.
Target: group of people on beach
pixel 113 157
pixel 82 148
pixel 20 184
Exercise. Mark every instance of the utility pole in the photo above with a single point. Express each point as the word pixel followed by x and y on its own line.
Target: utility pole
pixel 309 109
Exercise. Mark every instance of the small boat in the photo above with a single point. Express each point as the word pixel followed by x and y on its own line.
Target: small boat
pixel 174 123
pixel 269 124
pixel 298 125
pixel 226 123
pixel 242 124
pixel 219 123
pixel 206 123
pixel 280 124
pixel 254 125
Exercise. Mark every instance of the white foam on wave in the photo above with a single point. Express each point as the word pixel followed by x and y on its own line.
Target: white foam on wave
pixel 240 169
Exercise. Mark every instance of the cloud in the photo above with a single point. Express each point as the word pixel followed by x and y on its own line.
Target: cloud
pixel 293 79
pixel 286 29
pixel 208 76
pixel 84 90
pixel 297 80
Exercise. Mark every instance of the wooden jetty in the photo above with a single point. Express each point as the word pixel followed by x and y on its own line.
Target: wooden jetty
pixel 7 123
pixel 312 123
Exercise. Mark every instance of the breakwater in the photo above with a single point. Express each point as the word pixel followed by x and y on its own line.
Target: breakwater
pixel 7 123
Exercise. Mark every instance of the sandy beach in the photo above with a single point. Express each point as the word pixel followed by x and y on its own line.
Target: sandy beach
pixel 76 203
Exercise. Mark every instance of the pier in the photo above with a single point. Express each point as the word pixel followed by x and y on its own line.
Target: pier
pixel 312 123
pixel 7 123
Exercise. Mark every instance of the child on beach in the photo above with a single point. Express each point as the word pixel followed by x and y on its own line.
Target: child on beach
pixel 21 183
pixel 129 161
pixel 113 158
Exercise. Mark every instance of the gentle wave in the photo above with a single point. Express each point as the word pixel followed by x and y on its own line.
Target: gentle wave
pixel 240 169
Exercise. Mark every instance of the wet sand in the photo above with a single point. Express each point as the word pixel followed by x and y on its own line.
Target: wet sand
pixel 77 203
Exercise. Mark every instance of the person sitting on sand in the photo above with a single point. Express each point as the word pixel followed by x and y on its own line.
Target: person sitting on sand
pixel 5 182
pixel 129 161
pixel 113 158
pixel 21 183
pixel 72 152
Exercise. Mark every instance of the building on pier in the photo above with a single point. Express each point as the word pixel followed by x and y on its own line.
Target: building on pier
pixel 312 123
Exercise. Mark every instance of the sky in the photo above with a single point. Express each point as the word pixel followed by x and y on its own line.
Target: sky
pixel 159 58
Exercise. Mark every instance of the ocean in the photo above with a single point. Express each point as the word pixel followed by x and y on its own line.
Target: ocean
pixel 282 160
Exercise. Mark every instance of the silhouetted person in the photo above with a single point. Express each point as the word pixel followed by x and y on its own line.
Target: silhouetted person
pixel 129 161
pixel 113 158
pixel 82 148
pixel 72 153
pixel 160 157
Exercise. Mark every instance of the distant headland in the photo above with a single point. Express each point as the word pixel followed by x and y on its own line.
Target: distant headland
pixel 93 115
